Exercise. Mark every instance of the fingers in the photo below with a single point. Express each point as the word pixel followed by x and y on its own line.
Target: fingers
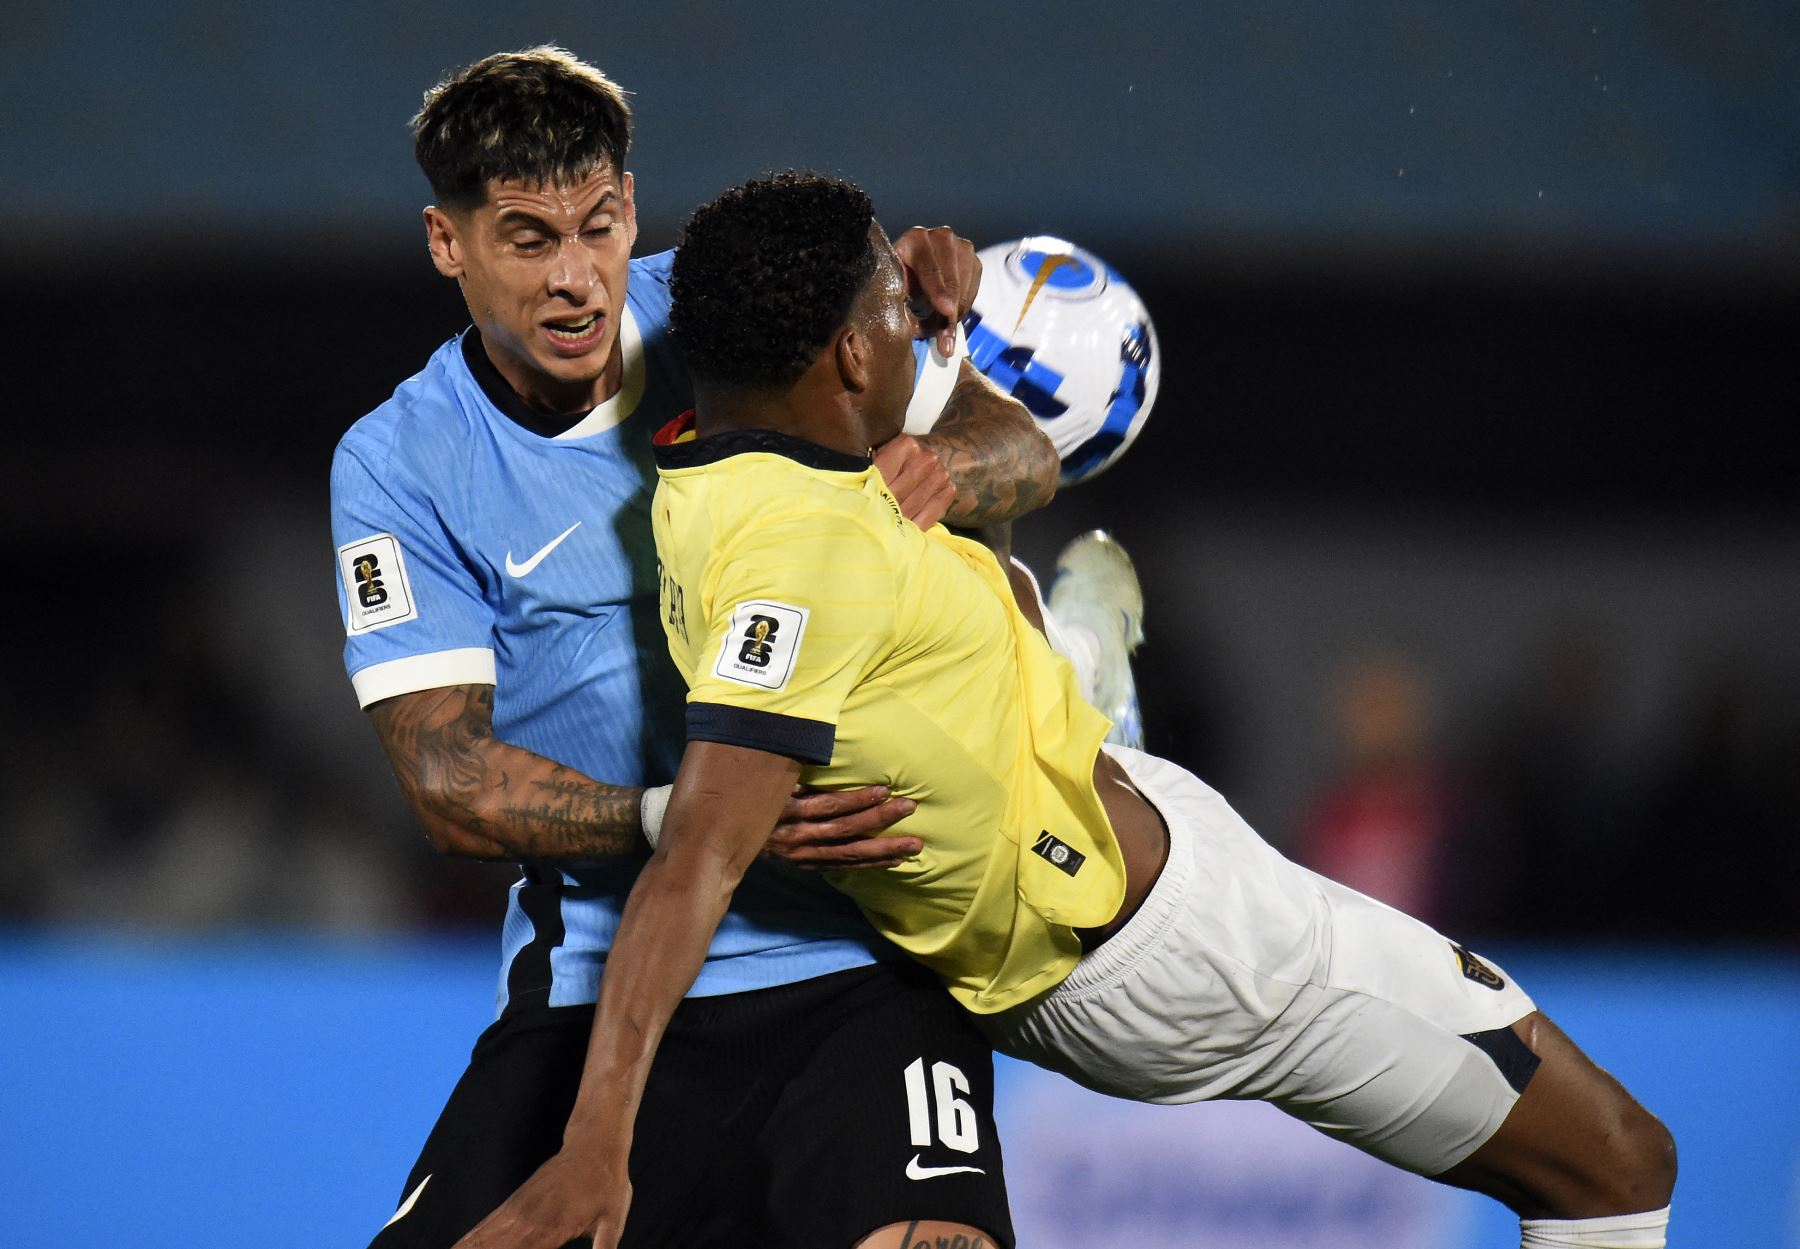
pixel 856 820
pixel 917 479
pixel 807 805
pixel 927 508
pixel 862 852
pixel 943 273
pixel 907 469
pixel 839 831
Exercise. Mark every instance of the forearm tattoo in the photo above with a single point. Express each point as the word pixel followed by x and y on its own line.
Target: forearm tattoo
pixel 482 798
pixel 1000 462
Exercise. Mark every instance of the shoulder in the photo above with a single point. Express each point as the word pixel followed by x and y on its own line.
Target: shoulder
pixel 426 415
pixel 826 515
pixel 647 290
pixel 654 267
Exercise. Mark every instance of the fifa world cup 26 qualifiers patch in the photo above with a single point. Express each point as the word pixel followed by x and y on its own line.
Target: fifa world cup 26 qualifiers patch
pixel 1476 970
pixel 1060 853
pixel 760 647
pixel 376 590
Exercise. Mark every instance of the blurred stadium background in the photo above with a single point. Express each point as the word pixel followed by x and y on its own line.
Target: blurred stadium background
pixel 1468 517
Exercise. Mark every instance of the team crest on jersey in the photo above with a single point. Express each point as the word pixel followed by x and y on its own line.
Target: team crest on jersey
pixel 376 590
pixel 762 643
pixel 1060 854
pixel 1476 970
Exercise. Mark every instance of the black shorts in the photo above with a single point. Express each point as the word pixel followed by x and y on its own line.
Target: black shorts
pixel 804 1117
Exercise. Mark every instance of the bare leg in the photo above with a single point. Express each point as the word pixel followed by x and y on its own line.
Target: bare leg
pixel 1576 1145
pixel 927 1234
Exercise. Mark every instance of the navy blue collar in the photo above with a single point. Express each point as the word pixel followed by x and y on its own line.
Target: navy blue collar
pixel 698 451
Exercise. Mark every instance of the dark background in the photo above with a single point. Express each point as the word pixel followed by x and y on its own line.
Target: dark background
pixel 1467 512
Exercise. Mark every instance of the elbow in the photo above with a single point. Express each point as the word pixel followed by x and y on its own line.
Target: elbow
pixel 456 827
pixel 456 842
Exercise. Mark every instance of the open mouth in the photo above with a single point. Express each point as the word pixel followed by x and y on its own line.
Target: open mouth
pixel 576 333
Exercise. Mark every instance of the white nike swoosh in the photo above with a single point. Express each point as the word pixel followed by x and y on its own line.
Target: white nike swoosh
pixel 916 1172
pixel 407 1205
pixel 519 570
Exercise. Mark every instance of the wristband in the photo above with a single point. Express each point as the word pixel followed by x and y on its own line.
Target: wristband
pixel 650 811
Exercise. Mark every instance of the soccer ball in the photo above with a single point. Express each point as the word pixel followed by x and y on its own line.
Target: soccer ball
pixel 1058 328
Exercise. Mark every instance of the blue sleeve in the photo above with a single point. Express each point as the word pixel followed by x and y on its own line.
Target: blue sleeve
pixel 414 614
pixel 648 291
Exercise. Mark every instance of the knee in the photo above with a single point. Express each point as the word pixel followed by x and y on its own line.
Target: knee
pixel 1643 1161
pixel 1627 1155
pixel 1626 1166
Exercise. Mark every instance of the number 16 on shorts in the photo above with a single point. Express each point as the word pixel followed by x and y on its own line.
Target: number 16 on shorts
pixel 940 1105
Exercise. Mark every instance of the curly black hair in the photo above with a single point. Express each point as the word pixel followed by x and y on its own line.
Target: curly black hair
pixel 539 116
pixel 766 274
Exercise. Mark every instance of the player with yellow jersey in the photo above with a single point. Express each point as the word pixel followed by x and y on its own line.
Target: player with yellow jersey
pixel 809 619
pixel 1104 913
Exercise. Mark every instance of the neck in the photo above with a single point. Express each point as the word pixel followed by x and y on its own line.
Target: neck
pixel 568 400
pixel 828 420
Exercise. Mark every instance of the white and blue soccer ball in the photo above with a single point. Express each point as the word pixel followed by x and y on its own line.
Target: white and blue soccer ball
pixel 1059 329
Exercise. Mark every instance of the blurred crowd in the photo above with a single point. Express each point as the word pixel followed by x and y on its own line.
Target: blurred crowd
pixel 159 776
pixel 1542 823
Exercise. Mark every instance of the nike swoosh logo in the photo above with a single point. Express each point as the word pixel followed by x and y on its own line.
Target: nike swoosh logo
pixel 520 570
pixel 1049 267
pixel 916 1172
pixel 407 1205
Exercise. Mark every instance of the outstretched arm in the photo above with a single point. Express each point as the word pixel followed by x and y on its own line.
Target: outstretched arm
pixel 725 801
pixel 480 798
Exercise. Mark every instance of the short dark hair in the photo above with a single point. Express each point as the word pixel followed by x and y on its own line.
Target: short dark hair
pixel 766 274
pixel 539 116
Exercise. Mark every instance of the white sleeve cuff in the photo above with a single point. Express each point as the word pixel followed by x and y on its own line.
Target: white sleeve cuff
pixel 469 665
pixel 935 382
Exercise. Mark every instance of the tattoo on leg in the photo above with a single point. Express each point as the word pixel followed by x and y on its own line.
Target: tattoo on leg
pixel 958 1241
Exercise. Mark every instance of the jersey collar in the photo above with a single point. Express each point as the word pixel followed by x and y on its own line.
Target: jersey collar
pixel 598 419
pixel 676 448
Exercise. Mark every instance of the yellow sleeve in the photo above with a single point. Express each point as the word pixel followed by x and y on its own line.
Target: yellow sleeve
pixel 800 608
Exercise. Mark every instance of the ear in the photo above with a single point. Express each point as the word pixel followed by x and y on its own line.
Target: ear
pixel 628 193
pixel 440 237
pixel 851 351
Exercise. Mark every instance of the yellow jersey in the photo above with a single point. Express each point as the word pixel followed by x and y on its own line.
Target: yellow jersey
pixel 810 619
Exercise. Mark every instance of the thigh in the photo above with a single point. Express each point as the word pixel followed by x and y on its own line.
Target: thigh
pixel 1404 1047
pixel 503 1119
pixel 506 1117
pixel 1388 955
pixel 1394 1084
pixel 889 1120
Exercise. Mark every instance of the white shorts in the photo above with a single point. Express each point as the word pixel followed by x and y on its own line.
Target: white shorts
pixel 1245 976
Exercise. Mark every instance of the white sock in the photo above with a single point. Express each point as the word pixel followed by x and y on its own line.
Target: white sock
pixel 1620 1231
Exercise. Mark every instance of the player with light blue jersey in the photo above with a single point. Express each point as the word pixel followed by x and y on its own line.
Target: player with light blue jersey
pixel 471 547
pixel 498 583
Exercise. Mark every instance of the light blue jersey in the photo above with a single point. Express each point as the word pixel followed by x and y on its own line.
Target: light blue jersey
pixel 472 550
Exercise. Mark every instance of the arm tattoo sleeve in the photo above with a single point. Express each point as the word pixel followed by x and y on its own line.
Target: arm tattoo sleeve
pixel 1001 463
pixel 481 798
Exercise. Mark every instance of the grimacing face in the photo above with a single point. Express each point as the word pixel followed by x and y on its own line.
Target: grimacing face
pixel 543 270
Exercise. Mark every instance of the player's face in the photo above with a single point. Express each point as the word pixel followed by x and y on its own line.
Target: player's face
pixel 891 328
pixel 543 270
